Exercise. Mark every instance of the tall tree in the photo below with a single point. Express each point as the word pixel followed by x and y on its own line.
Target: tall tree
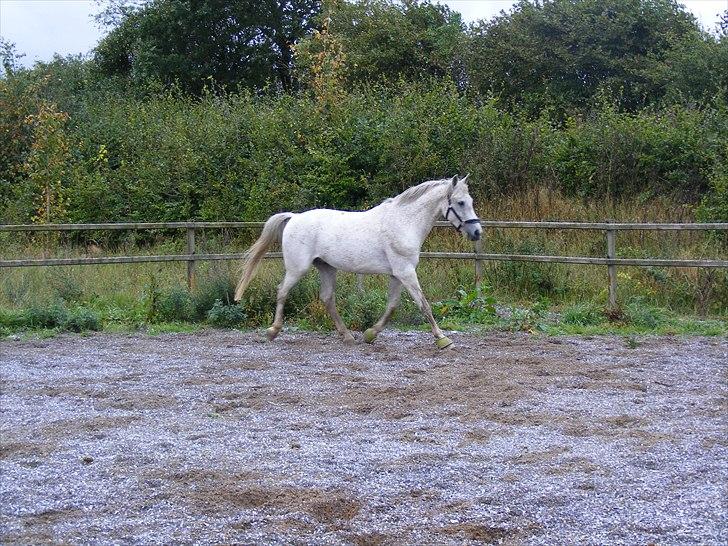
pixel 189 42
pixel 387 40
pixel 560 53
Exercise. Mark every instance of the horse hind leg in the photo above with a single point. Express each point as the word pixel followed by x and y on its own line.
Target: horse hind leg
pixel 289 281
pixel 327 294
pixel 395 291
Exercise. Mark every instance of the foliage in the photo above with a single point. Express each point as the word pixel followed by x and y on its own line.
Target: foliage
pixel 467 307
pixel 46 165
pixel 557 54
pixel 243 157
pixel 583 314
pixel 644 315
pixel 362 310
pixel 225 315
pixel 383 40
pixel 209 291
pixel 625 155
pixel 176 305
pixel 45 316
pixel 528 279
pixel 529 319
pixel 714 205
pixel 193 43
pixel 81 320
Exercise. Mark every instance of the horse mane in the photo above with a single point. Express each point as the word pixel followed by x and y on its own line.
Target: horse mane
pixel 415 192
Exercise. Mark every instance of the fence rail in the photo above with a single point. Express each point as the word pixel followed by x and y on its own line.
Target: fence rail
pixel 192 257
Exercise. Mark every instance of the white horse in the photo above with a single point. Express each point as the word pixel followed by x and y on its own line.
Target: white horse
pixel 385 239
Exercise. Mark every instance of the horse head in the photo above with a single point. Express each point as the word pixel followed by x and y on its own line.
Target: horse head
pixel 459 209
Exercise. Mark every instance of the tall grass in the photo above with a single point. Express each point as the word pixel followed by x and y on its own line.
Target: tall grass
pixel 133 294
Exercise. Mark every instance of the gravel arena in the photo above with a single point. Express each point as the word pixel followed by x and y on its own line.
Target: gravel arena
pixel 219 437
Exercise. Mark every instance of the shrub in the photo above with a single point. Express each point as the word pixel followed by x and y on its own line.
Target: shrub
pixel 528 279
pixel 66 286
pixel 529 319
pixel 468 307
pixel 51 316
pixel 82 319
pixel 226 316
pixel 209 292
pixel 362 309
pixel 176 306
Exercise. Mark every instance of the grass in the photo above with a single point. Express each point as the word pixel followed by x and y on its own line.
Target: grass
pixel 549 298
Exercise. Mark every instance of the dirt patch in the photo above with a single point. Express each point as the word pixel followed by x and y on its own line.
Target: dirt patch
pixel 481 533
pixel 217 437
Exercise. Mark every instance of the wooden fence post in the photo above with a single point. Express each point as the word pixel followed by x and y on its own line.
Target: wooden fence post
pixel 611 268
pixel 478 247
pixel 191 281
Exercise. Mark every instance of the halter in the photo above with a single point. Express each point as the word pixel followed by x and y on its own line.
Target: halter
pixel 462 222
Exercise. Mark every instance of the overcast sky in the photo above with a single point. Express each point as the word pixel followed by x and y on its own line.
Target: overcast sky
pixel 40 28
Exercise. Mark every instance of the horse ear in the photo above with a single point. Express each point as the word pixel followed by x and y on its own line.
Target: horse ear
pixel 466 177
pixel 455 181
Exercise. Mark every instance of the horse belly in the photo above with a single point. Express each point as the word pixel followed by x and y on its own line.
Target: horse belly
pixel 349 241
pixel 354 253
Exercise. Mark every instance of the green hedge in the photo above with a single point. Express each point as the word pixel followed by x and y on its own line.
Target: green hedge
pixel 243 156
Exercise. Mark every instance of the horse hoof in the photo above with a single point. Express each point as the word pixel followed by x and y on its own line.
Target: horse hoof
pixel 443 342
pixel 370 335
pixel 271 333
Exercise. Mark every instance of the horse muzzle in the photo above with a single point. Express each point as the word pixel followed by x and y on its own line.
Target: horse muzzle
pixel 472 229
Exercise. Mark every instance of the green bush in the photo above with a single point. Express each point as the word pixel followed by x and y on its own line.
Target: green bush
pixel 243 156
pixel 209 291
pixel 81 320
pixel 11 320
pixel 44 316
pixel 176 305
pixel 66 286
pixel 467 307
pixel 226 316
pixel 529 319
pixel 528 279
pixel 360 310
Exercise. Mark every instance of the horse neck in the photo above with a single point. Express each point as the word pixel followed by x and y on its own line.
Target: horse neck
pixel 420 215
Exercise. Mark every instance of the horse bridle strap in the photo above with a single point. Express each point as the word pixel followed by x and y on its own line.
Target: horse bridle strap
pixel 462 222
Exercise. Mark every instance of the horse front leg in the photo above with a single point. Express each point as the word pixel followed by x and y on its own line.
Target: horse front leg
pixel 395 291
pixel 412 284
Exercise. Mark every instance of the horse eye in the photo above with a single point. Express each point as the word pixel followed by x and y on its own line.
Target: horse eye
pixel 461 203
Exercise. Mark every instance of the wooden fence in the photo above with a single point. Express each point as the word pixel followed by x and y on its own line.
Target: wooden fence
pixel 610 259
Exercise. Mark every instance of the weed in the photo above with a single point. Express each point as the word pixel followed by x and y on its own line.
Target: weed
pixel 81 320
pixel 152 295
pixel 529 319
pixel 363 309
pixel 226 316
pixel 583 314
pixel 176 305
pixel 66 286
pixel 49 316
pixel 468 307
pixel 211 290
pixel 643 315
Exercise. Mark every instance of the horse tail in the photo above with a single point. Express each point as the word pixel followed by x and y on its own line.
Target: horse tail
pixel 272 232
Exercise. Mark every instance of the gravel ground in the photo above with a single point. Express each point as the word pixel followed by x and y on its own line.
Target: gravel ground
pixel 216 437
